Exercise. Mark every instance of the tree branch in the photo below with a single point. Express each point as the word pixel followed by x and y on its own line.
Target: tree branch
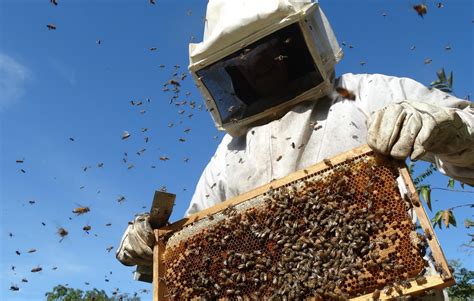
pixel 459 206
pixel 454 190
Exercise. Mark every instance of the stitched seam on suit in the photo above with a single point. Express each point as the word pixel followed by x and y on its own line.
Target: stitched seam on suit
pixel 270 150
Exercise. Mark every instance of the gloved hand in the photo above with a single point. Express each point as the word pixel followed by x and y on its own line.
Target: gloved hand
pixel 136 246
pixel 415 129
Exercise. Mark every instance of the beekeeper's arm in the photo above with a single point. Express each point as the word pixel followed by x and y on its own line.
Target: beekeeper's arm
pixel 422 123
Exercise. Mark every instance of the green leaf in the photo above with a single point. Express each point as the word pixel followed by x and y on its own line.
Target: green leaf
pixel 468 223
pixel 446 216
pixel 441 75
pixel 436 220
pixel 452 219
pixel 426 194
pixel 451 183
pixel 447 90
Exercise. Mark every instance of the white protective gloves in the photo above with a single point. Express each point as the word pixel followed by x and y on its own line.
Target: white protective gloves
pixel 136 246
pixel 415 129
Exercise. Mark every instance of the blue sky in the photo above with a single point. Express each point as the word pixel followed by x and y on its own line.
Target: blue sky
pixel 58 84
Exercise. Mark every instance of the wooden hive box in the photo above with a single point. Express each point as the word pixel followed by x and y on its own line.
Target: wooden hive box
pixel 350 227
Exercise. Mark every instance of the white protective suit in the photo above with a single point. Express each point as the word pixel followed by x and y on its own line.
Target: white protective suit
pixel 321 129
pixel 396 116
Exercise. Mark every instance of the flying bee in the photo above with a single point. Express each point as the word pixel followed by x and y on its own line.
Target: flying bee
pixel 125 135
pixel 109 248
pixel 14 288
pixel 87 228
pixel 62 233
pixel 81 210
pixel 346 94
pixel 421 9
pixel 36 270
pixel 51 26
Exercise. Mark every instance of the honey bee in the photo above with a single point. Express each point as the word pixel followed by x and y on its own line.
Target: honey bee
pixel 51 26
pixel 36 270
pixel 125 135
pixel 14 288
pixel 280 58
pixel 86 228
pixel 81 210
pixel 62 233
pixel 421 9
pixel 346 94
pixel 376 294
pixel 327 162
pixel 421 280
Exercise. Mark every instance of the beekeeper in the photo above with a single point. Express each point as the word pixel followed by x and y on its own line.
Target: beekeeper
pixel 266 72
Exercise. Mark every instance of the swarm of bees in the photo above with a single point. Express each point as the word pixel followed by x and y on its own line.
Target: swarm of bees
pixel 328 238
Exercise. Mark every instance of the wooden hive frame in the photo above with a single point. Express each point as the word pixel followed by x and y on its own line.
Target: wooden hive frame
pixel 437 281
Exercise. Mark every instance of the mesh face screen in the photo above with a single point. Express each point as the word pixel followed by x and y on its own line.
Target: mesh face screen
pixel 264 74
pixel 336 234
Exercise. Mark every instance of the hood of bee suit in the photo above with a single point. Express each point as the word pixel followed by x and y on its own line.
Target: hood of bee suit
pixel 228 22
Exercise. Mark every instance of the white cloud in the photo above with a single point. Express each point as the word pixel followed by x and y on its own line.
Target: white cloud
pixel 13 76
pixel 64 71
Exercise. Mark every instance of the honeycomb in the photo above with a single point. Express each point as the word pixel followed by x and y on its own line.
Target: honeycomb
pixel 339 233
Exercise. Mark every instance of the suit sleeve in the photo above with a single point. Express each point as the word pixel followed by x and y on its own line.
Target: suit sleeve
pixel 376 91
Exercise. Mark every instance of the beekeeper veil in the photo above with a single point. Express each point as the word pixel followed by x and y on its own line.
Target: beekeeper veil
pixel 260 58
